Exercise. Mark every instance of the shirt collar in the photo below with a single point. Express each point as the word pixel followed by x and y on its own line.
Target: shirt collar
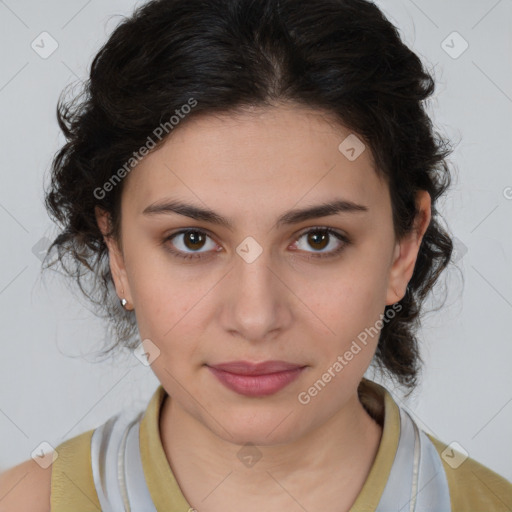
pixel 166 493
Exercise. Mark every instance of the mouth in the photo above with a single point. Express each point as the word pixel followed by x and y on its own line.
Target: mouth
pixel 256 379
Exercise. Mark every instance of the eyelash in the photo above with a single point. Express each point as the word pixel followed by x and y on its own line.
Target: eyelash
pixel 189 256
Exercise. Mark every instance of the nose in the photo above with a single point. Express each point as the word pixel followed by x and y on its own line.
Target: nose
pixel 256 302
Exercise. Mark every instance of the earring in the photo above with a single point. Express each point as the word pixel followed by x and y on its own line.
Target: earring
pixel 123 303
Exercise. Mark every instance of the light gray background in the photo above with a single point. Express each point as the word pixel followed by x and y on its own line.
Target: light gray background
pixel 48 392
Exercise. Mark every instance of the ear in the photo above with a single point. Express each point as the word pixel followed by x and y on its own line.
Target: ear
pixel 406 251
pixel 115 256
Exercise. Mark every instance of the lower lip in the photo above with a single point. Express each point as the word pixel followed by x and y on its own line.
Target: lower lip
pixel 256 385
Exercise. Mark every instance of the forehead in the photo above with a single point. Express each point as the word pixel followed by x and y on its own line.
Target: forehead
pixel 260 156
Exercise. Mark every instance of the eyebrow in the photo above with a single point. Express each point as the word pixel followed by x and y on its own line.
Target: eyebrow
pixel 291 217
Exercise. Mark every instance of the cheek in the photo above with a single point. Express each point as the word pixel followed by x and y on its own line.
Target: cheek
pixel 170 312
pixel 350 323
pixel 349 301
pixel 166 313
pixel 350 308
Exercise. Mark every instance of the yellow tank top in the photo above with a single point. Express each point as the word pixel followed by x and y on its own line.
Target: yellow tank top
pixel 472 486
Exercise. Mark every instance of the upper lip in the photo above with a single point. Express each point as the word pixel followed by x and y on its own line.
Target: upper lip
pixel 249 368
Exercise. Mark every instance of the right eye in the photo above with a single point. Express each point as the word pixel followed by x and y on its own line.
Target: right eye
pixel 188 239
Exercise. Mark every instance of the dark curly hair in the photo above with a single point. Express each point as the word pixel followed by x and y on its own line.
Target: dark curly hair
pixel 342 57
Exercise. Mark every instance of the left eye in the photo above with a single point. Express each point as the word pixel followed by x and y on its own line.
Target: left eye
pixel 194 239
pixel 319 238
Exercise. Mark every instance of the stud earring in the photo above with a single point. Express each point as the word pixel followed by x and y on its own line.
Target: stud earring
pixel 123 303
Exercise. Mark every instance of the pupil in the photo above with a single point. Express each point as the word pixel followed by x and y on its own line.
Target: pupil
pixel 195 237
pixel 323 236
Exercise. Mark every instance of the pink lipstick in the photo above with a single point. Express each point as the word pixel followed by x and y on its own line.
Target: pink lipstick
pixel 256 379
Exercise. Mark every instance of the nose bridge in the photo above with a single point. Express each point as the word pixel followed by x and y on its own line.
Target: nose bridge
pixel 254 273
pixel 256 293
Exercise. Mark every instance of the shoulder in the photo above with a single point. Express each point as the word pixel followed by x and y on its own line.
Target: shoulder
pixel 66 484
pixel 25 488
pixel 472 485
pixel 72 483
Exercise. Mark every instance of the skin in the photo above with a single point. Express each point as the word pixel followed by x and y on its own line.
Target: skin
pixel 25 488
pixel 252 167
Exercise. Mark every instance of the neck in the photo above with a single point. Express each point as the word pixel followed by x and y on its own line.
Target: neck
pixel 343 448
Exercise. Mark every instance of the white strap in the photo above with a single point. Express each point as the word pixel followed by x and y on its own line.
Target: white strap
pixel 433 491
pixel 137 490
pixel 417 481
pixel 117 467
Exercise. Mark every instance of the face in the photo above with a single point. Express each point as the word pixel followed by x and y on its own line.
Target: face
pixel 258 289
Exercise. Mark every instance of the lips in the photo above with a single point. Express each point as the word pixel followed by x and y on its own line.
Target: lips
pixel 248 368
pixel 256 379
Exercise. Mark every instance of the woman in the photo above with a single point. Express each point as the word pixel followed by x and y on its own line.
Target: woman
pixel 258 181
